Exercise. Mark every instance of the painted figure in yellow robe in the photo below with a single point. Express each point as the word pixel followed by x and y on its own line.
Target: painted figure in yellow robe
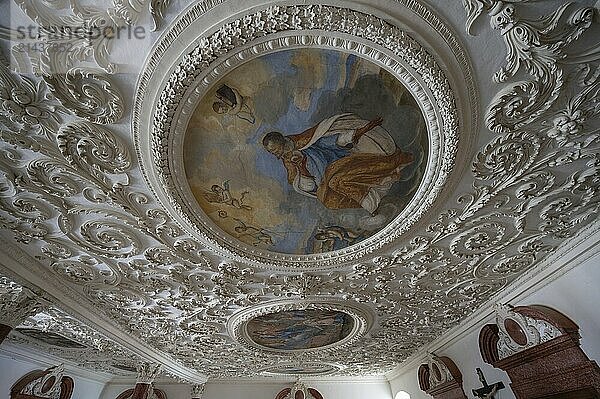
pixel 344 161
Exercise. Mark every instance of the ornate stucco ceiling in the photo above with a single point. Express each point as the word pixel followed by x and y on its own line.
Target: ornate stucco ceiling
pixel 98 216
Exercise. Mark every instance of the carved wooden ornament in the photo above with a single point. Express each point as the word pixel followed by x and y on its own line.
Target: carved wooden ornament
pixel 47 384
pixel 299 391
pixel 441 378
pixel 539 349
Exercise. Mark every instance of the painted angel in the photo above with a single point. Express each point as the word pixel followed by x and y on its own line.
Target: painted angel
pixel 231 102
pixel 221 194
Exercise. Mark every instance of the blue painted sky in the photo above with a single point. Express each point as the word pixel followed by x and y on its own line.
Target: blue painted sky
pixel 294 121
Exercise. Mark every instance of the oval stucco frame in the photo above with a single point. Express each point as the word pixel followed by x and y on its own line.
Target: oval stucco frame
pixel 159 140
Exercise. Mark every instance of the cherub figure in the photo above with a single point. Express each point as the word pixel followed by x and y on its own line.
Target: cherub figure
pixel 330 238
pixel 260 236
pixel 231 102
pixel 222 195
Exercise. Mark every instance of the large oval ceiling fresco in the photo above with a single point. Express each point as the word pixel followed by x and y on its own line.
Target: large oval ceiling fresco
pixel 305 151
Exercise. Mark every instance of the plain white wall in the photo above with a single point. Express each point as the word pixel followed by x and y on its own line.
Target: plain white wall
pixel 575 294
pixel 330 390
pixel 112 390
pixel 12 369
pixel 173 391
pixel 344 390
pixel 264 390
pixel 241 391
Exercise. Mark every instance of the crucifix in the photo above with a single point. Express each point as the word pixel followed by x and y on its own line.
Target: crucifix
pixel 487 391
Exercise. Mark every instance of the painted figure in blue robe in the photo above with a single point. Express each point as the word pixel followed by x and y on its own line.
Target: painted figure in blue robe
pixel 344 161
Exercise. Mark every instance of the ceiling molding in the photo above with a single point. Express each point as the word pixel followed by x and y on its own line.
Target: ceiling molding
pixel 319 379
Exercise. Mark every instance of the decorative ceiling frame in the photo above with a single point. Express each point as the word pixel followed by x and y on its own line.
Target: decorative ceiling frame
pixel 361 315
pixel 317 369
pixel 102 241
pixel 279 27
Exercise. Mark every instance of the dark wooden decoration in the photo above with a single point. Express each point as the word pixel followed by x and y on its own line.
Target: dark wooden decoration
pixel 141 391
pixel 4 331
pixel 299 391
pixel 487 391
pixel 126 394
pixel 156 393
pixel 441 378
pixel 315 394
pixel 423 374
pixel 39 384
pixel 488 343
pixel 283 393
pixel 539 349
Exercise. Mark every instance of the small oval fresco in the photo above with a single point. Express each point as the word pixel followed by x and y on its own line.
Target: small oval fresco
pixel 305 151
pixel 300 329
pixel 50 338
pixel 302 370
